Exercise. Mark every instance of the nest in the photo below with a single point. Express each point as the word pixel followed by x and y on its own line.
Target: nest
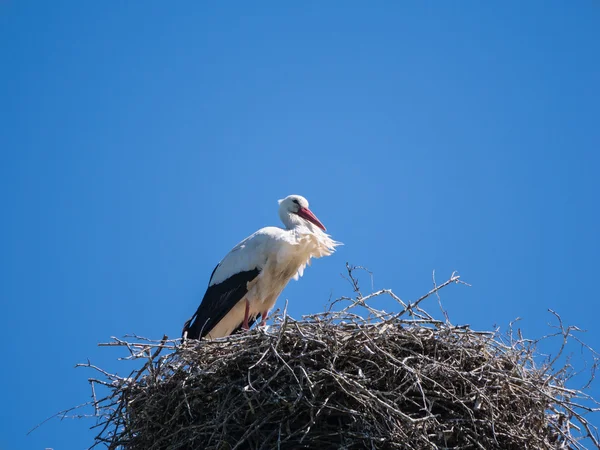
pixel 343 380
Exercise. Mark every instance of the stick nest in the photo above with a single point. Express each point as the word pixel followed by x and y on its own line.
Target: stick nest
pixel 340 380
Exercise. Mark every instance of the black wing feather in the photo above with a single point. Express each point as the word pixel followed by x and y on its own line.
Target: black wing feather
pixel 217 302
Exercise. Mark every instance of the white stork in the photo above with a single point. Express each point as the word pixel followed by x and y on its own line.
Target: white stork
pixel 247 282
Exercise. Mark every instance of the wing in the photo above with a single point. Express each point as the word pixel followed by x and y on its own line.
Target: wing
pixel 228 282
pixel 217 302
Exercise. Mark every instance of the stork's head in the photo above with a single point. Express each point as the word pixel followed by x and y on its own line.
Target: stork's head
pixel 293 211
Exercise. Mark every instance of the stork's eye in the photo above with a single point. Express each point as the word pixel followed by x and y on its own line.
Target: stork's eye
pixel 296 202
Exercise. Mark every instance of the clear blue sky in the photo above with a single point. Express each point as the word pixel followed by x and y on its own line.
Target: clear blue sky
pixel 140 141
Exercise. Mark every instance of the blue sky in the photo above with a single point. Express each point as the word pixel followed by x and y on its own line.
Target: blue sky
pixel 140 141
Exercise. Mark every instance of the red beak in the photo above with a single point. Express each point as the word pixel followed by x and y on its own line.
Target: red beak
pixel 307 214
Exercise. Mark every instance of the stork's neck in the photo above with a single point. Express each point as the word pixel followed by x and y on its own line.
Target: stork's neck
pixel 291 221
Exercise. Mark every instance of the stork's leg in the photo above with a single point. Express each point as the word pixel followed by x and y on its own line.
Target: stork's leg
pixel 245 325
pixel 263 316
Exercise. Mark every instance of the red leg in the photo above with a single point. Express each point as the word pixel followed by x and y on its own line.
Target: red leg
pixel 245 325
pixel 264 315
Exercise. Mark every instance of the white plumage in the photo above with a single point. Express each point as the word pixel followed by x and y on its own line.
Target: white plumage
pixel 248 281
